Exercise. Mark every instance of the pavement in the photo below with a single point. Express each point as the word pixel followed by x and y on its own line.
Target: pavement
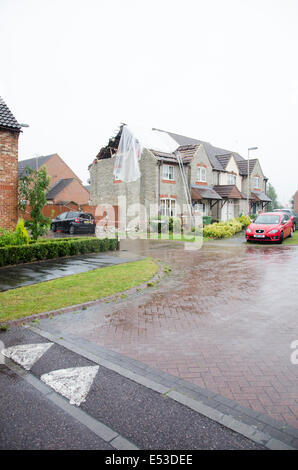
pixel 202 360
pixel 12 277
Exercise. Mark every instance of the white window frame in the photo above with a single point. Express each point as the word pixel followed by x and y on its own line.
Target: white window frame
pixel 232 179
pixel 168 172
pixel 257 182
pixel 201 174
pixel 168 205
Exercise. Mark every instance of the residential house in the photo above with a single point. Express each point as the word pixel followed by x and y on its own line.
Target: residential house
pixel 9 135
pixel 65 186
pixel 217 180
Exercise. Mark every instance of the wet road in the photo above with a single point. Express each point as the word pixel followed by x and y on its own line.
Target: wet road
pixel 225 320
pixel 32 273
pixel 112 413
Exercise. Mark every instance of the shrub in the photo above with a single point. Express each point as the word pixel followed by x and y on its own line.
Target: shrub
pixel 15 254
pixel 7 237
pixel 244 220
pixel 222 229
pixel 21 234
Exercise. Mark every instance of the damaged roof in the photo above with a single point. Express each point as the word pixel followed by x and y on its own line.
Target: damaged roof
pixel 187 146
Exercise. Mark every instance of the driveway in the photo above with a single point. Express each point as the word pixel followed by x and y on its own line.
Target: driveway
pixel 224 320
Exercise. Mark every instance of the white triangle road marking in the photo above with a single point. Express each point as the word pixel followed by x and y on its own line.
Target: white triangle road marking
pixel 26 354
pixel 74 383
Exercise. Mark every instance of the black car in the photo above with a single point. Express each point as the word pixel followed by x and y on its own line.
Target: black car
pixel 74 221
pixel 291 213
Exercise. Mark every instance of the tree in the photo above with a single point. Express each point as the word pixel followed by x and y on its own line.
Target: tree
pixel 274 204
pixel 32 187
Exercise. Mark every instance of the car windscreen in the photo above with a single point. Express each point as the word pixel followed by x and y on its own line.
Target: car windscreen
pixel 72 215
pixel 267 219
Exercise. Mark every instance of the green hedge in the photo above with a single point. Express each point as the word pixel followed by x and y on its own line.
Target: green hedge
pixel 47 249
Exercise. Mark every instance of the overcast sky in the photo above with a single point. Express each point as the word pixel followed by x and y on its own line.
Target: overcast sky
pixel 224 71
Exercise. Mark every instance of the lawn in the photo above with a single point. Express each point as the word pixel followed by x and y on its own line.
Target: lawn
pixel 293 240
pixel 76 289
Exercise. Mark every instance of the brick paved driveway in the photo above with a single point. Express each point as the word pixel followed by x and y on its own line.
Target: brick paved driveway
pixel 223 320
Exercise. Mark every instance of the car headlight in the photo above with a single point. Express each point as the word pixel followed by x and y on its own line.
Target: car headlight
pixel 248 230
pixel 273 231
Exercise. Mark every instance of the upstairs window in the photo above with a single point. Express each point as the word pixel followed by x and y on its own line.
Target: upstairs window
pixel 256 182
pixel 168 172
pixel 231 179
pixel 201 174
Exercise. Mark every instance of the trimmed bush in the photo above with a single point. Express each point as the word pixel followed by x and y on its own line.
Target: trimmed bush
pixel 222 229
pixel 15 254
pixel 21 234
pixel 244 220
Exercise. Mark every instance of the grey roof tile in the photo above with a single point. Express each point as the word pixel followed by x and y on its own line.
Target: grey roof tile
pixel 57 187
pixel 7 119
pixel 33 163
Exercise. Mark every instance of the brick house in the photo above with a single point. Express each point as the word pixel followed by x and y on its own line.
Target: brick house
pixel 64 183
pixel 295 202
pixel 9 135
pixel 217 180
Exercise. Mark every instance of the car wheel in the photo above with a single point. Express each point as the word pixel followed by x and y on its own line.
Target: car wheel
pixel 294 227
pixel 71 230
pixel 53 228
pixel 281 238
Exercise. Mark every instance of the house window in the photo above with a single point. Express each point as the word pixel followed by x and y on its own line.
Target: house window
pixel 168 172
pixel 201 174
pixel 168 207
pixel 232 179
pixel 256 182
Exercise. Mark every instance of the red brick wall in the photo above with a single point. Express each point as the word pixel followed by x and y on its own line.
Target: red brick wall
pixel 56 169
pixel 74 191
pixel 8 178
pixel 52 210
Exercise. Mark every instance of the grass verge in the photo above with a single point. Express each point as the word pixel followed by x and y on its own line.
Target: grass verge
pixel 76 289
pixel 293 240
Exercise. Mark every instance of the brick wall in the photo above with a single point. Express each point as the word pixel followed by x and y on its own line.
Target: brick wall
pixel 52 210
pixel 8 178
pixel 74 191
pixel 57 169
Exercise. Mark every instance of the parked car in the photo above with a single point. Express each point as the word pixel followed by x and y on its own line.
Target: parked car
pixel 74 221
pixel 270 226
pixel 291 213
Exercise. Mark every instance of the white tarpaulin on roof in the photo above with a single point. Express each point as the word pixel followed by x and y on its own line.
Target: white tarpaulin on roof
pixel 133 140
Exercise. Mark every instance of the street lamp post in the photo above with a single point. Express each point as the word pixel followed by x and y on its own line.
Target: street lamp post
pixel 248 177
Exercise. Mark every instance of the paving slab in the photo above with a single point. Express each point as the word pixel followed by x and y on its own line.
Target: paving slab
pixel 223 320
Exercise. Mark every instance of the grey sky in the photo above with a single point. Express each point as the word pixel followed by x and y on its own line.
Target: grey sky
pixel 224 71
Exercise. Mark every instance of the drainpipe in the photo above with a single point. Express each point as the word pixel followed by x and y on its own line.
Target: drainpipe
pixel 158 187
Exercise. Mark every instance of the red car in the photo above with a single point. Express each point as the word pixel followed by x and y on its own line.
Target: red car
pixel 270 226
